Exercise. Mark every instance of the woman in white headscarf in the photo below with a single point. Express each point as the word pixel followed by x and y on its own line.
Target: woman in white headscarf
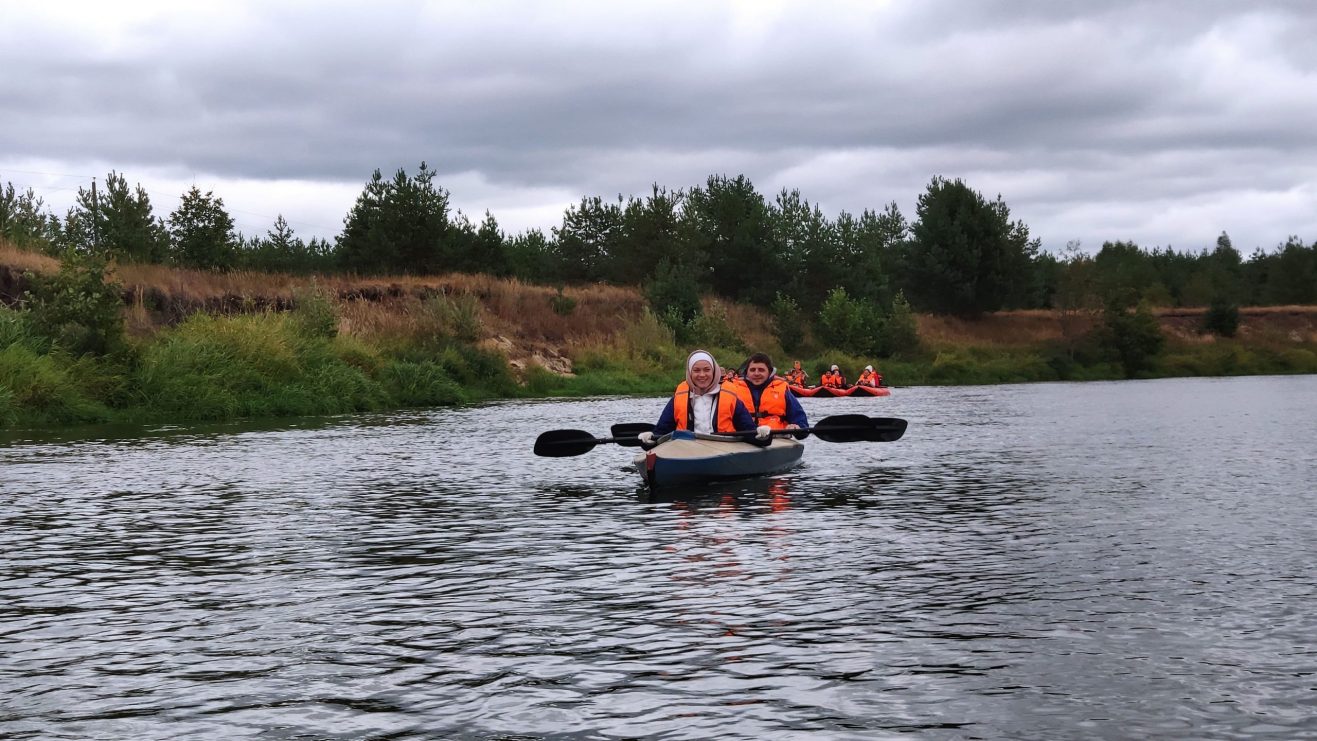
pixel 701 405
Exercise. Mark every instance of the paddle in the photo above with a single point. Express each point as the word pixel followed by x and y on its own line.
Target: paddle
pixel 842 428
pixel 565 443
pixel 845 428
pixel 623 430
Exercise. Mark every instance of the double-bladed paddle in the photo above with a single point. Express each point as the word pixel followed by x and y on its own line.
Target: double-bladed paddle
pixel 564 443
pixel 842 428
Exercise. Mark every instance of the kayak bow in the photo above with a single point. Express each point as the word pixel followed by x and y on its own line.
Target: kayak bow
pixel 684 457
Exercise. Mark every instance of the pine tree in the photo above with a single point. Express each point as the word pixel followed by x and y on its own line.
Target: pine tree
pixel 201 232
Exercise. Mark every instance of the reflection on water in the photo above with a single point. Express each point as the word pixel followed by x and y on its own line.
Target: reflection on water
pixel 1104 560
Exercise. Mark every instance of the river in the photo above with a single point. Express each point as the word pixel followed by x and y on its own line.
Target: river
pixel 1100 560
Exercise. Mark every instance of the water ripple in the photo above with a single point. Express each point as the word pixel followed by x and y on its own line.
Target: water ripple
pixel 1101 560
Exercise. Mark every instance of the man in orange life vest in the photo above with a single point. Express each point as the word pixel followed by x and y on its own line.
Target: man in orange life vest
pixel 700 405
pixel 767 396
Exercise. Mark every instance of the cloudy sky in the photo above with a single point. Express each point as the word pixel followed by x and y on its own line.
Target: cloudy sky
pixel 1163 123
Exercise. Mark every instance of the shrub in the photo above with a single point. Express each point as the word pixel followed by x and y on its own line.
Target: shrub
pixel 75 309
pixel 710 329
pixel 562 305
pixel 315 313
pixel 788 323
pixel 850 325
pixel 651 339
pixel 1222 318
pixel 1133 338
pixel 899 332
pixel 459 316
pixel 674 295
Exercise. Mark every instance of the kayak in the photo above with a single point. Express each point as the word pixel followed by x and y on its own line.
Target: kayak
pixel 684 457
pixel 825 392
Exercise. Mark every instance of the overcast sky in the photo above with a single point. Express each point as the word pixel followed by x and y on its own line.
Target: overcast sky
pixel 1162 123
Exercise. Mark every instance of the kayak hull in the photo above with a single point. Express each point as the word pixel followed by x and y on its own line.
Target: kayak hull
pixel 686 458
pixel 824 392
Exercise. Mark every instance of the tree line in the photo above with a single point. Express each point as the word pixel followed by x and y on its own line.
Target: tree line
pixel 962 253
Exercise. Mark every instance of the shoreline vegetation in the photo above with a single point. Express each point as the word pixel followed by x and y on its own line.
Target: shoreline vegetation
pixel 84 341
pixel 111 313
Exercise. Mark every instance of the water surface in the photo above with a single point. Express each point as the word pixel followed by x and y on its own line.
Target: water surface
pixel 1104 560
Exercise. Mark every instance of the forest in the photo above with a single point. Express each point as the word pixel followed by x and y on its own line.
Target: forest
pixel 106 311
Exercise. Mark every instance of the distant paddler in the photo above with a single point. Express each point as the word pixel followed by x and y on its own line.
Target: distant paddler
pixel 797 375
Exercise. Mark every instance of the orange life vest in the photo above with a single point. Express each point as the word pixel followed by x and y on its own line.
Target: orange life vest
pixel 681 409
pixel 796 377
pixel 832 380
pixel 772 410
pixel 868 378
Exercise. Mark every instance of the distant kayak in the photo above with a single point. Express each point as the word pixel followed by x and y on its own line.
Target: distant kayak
pixel 825 392
pixel 683 458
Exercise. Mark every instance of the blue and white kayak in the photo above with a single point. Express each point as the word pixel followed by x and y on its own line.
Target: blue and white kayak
pixel 692 458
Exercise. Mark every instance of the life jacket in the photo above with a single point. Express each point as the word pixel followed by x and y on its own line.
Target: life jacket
pixel 868 378
pixel 772 410
pixel 796 377
pixel 682 409
pixel 832 380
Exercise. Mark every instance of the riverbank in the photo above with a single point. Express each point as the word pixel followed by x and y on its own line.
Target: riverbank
pixel 195 345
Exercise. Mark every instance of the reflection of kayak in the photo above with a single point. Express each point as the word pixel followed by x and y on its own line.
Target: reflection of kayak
pixel 691 458
pixel 824 392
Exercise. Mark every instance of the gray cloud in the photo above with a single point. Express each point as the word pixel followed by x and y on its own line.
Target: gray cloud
pixel 1159 122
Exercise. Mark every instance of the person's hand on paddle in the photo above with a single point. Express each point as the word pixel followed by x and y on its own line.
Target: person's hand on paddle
pixel 646 438
pixel 763 432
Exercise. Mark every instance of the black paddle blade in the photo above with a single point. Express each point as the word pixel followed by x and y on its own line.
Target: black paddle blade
pixel 624 433
pixel 842 428
pixel 856 428
pixel 564 443
pixel 886 429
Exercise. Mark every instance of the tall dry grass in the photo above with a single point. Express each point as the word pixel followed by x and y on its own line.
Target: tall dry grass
pixel 21 260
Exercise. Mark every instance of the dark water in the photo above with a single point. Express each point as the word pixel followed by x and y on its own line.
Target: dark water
pixel 1108 560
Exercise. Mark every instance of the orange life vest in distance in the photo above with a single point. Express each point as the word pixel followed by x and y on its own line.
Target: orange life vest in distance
pixel 796 377
pixel 772 409
pixel 868 378
pixel 681 409
pixel 831 380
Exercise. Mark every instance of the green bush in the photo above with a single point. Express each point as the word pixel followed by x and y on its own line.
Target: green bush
pixel 674 295
pixel 788 323
pixel 459 316
pixel 562 305
pixel 899 332
pixel 75 309
pixel 315 313
pixel 859 326
pixel 1131 338
pixel 1222 318
pixel 711 330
